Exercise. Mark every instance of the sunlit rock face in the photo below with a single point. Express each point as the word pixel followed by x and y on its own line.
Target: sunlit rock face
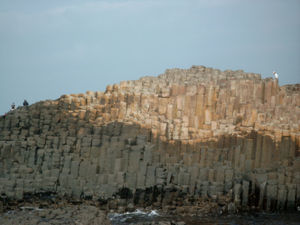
pixel 200 132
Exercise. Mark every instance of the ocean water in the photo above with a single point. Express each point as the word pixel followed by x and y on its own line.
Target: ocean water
pixel 139 216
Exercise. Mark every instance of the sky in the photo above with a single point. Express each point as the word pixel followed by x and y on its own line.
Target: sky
pixel 51 48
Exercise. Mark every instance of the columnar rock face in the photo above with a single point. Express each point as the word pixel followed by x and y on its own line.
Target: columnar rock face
pixel 201 132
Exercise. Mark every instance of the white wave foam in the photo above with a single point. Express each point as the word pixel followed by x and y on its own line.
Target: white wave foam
pixel 153 213
pixel 137 213
pixel 31 208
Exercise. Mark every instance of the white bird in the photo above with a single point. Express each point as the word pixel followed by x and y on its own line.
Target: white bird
pixel 275 74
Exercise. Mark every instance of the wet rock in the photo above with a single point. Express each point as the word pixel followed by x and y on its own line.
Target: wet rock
pixel 83 214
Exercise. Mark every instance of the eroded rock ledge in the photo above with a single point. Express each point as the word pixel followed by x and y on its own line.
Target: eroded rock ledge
pixel 181 138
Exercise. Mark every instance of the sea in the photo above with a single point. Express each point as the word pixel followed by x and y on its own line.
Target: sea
pixel 260 218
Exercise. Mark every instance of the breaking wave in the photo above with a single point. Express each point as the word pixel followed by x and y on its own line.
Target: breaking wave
pixel 128 217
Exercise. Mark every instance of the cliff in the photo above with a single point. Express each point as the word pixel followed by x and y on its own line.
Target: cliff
pixel 200 132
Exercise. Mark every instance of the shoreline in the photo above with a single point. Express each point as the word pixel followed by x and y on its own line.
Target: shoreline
pixel 86 214
pixel 52 209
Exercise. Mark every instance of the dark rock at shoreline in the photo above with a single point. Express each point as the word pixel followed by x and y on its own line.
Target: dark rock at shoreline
pixel 69 214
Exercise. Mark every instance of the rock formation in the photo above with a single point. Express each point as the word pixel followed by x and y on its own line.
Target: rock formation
pixel 200 132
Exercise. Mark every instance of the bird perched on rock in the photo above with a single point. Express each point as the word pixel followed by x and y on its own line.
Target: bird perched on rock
pixel 275 74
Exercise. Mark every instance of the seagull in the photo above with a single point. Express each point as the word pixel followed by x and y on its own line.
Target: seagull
pixel 275 74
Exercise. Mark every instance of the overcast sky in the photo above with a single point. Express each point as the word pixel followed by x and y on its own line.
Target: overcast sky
pixel 50 48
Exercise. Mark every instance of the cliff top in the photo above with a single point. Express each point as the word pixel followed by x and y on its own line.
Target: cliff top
pixel 191 104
